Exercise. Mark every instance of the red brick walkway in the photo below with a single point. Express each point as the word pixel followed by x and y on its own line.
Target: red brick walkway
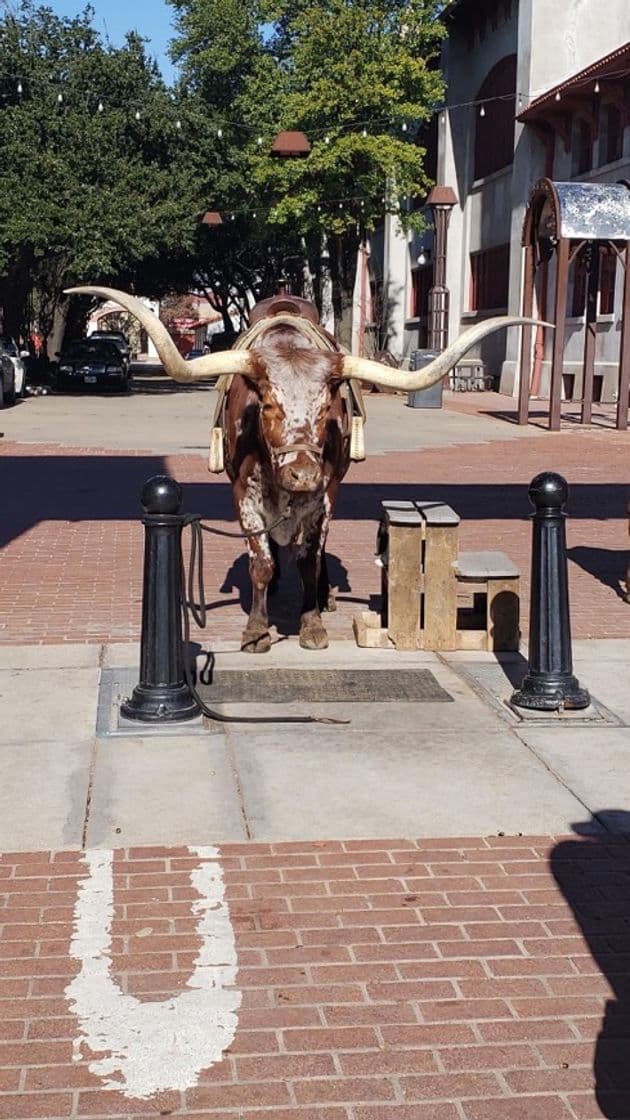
pixel 381 980
pixel 71 564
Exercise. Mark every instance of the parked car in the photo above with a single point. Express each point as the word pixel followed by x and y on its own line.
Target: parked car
pixel 118 339
pixel 9 347
pixel 87 362
pixel 7 381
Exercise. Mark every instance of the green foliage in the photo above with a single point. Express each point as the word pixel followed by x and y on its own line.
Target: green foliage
pixel 97 181
pixel 357 76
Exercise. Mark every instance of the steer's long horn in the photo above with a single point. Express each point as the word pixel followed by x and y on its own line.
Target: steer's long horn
pixel 209 365
pixel 364 369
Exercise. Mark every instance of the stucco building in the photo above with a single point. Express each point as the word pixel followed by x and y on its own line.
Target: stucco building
pixel 534 88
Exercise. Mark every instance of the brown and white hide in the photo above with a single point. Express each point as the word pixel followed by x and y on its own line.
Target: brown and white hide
pixel 287 435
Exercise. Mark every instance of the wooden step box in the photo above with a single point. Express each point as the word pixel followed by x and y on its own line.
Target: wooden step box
pixel 422 574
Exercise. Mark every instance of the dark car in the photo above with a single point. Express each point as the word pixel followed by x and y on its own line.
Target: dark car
pixel 89 363
pixel 7 381
pixel 118 339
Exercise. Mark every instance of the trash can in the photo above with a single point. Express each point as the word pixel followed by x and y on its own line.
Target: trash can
pixel 425 398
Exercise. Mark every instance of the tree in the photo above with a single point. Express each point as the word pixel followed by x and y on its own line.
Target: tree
pixel 103 173
pixel 359 77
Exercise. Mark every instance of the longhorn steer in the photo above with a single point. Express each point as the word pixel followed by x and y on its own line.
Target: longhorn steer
pixel 287 438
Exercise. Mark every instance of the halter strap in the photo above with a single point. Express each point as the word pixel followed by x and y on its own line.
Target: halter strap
pixel 309 448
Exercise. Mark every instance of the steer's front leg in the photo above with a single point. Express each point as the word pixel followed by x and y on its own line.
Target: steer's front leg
pixel 309 557
pixel 256 637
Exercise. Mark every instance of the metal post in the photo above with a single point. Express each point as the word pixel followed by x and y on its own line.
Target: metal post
pixel 162 695
pixel 549 684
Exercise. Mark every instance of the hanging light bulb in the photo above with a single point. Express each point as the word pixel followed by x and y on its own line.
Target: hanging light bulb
pixel 404 126
pixel 178 124
pixel 596 90
pixel 327 140
pixel 364 133
pixel 232 217
pixel 20 88
pixel 319 209
pixel 362 204
pixel 100 107
pixel 341 205
pixel 254 214
pixel 60 98
pixel 260 141
pixel 557 97
pixel 137 114
pixel 219 132
pixel 482 111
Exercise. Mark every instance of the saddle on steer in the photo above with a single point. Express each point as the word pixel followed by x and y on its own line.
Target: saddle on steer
pixel 303 314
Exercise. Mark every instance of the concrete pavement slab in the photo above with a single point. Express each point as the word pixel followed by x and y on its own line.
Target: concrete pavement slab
pixel 593 762
pixel 167 790
pixel 73 655
pixel 48 704
pixel 43 794
pixel 321 784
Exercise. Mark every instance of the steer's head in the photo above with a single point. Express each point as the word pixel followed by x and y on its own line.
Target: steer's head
pixel 295 384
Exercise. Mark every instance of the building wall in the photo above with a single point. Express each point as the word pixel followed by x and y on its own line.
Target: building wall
pixel 552 41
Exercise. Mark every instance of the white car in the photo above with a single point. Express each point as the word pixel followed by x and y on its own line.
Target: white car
pixel 9 347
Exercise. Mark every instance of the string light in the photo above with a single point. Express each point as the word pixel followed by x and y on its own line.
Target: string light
pixel 327 140
pixel 404 126
pixel 219 133
pixel 260 141
pixel 60 98
pixel 364 133
pixel 20 88
pixel 178 124
pixel 137 114
pixel 557 97
pixel 596 90
pixel 482 112
pixel 100 107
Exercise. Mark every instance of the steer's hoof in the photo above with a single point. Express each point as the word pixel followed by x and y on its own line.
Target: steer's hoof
pixel 313 636
pixel 256 641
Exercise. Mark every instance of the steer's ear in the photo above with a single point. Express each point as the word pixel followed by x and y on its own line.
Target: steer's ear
pixel 335 370
pixel 256 375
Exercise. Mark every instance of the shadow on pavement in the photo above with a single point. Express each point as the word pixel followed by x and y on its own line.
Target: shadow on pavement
pixel 107 487
pixel 593 874
pixel 608 565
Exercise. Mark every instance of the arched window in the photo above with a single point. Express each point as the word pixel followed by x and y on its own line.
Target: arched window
pixel 610 145
pixel 494 131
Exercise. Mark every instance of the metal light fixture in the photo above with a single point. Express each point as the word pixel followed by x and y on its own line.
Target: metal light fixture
pixel 291 145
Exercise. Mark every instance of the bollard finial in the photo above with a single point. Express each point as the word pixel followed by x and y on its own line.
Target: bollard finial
pixel 161 494
pixel 548 490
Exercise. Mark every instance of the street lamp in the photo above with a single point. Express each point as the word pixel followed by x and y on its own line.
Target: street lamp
pixel 441 201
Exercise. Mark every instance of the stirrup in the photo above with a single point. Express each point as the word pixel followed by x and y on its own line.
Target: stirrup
pixel 357 440
pixel 216 460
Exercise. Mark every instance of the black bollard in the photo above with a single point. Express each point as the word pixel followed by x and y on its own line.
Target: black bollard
pixel 550 684
pixel 162 695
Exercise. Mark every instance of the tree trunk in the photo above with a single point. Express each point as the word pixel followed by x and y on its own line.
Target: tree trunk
pixel 343 263
pixel 56 336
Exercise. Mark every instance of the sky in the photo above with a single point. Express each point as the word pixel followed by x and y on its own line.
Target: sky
pixel 151 18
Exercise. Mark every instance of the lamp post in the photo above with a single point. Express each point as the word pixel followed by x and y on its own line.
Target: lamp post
pixel 441 201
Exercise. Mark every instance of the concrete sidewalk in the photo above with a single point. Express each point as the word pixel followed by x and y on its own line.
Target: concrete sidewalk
pixel 466 767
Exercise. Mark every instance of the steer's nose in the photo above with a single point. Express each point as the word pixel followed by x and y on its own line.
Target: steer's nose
pixel 301 475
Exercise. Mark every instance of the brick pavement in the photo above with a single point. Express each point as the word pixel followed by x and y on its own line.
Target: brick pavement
pixel 459 979
pixel 71 564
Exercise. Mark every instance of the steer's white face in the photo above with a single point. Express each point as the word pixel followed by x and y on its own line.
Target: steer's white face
pixel 294 382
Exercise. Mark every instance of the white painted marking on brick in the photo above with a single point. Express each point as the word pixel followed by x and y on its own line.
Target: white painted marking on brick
pixel 152 1046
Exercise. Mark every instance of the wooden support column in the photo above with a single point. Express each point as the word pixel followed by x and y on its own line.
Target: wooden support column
pixel 526 337
pixel 440 586
pixel 590 333
pixel 624 353
pixel 402 599
pixel 560 314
